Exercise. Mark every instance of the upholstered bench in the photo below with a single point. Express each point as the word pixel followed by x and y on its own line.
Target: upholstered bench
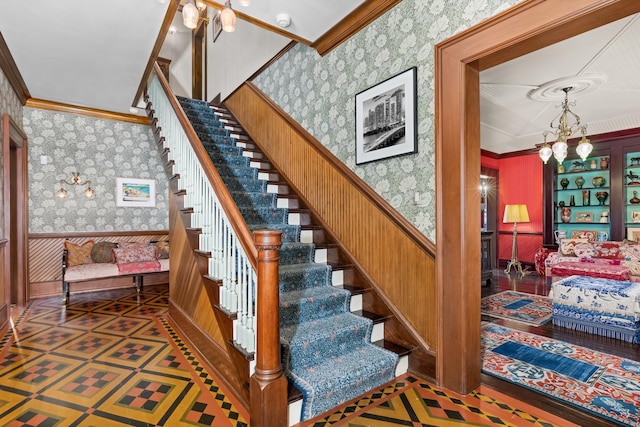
pixel 603 270
pixel 599 306
pixel 95 262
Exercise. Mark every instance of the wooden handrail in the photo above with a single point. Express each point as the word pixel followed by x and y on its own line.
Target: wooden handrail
pixel 236 220
pixel 268 385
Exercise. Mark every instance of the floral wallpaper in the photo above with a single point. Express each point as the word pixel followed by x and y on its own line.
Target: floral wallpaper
pixel 318 92
pixel 101 151
pixel 9 104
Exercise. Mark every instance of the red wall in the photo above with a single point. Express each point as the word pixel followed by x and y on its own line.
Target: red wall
pixel 519 182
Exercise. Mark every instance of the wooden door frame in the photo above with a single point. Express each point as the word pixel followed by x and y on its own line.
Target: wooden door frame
pixel 528 26
pixel 14 139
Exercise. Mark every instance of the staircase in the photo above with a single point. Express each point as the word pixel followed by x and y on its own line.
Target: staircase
pixel 325 333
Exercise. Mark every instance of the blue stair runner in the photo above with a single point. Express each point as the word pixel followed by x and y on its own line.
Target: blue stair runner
pixel 328 353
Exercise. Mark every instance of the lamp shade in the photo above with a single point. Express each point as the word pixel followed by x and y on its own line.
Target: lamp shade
pixel 190 15
pixel 228 18
pixel 515 214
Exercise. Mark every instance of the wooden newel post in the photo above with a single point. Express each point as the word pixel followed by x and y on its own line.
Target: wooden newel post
pixel 268 385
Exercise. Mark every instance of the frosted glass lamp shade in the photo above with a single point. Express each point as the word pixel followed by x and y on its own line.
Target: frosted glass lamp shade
pixel 228 18
pixel 190 15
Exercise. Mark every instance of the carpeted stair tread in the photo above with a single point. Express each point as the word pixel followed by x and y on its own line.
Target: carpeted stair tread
pixel 309 304
pixel 253 215
pixel 296 253
pixel 320 338
pixel 301 275
pixel 290 233
pixel 340 378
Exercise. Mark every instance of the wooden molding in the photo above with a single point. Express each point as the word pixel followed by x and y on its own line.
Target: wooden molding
pixel 86 111
pixel 362 16
pixel 10 69
pixel 96 234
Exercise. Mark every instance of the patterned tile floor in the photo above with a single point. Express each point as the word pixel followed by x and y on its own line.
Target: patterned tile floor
pixel 112 359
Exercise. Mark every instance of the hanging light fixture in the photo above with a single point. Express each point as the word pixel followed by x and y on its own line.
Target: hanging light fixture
pixel 190 14
pixel 75 180
pixel 228 18
pixel 563 130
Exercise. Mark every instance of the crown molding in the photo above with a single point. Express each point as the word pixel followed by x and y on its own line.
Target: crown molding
pixel 362 16
pixel 10 69
pixel 86 111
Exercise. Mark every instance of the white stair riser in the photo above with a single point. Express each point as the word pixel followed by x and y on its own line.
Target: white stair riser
pixel 355 303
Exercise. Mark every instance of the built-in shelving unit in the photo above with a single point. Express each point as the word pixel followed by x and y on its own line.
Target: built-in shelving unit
pixel 599 192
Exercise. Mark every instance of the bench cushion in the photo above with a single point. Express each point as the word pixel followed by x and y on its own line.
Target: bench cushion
pixel 592 269
pixel 84 272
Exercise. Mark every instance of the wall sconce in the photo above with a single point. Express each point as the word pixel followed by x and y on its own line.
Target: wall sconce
pixel 75 180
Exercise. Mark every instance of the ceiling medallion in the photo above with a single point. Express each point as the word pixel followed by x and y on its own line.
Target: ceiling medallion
pixel 567 122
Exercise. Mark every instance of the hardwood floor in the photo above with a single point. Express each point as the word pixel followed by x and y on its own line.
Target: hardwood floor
pixel 534 284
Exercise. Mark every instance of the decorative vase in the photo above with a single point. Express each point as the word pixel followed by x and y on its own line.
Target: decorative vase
pixel 565 214
pixel 593 164
pixel 602 197
pixel 634 199
pixel 564 182
pixel 560 168
pixel 598 181
pixel 572 201
pixel 604 163
pixel 539 259
pixel 561 203
pixel 586 197
pixel 579 181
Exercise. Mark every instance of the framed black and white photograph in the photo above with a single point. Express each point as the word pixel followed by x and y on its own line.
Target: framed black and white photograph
pixel 217 26
pixel 135 192
pixel 386 118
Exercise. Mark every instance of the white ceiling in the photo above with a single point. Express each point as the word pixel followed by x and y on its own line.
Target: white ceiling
pixel 511 121
pixel 93 53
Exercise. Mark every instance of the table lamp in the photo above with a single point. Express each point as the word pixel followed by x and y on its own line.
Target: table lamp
pixel 515 214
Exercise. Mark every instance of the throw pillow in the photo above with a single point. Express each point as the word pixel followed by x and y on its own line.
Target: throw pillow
pixel 134 254
pixel 78 254
pixel 567 246
pixel 585 250
pixel 162 248
pixel 609 250
pixel 632 253
pixel 131 245
pixel 101 252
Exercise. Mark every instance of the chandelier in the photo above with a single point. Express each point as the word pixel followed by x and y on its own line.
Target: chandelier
pixel 562 131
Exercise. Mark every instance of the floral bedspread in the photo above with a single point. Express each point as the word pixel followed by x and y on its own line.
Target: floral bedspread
pixel 601 295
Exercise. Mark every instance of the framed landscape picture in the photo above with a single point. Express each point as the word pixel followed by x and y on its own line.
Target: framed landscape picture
pixel 584 217
pixel 134 192
pixel 386 118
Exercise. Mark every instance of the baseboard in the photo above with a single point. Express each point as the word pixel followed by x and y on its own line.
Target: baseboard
pixel 209 351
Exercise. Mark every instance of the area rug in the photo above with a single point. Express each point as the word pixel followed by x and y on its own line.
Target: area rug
pixel 605 385
pixel 511 305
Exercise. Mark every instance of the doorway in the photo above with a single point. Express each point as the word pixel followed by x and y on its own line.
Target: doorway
pixel 524 28
pixel 14 167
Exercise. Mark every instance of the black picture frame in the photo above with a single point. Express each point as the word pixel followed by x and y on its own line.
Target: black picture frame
pixel 386 118
pixel 216 27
